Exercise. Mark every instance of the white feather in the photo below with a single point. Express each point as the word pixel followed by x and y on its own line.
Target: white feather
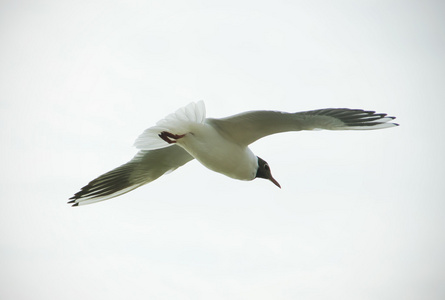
pixel 178 122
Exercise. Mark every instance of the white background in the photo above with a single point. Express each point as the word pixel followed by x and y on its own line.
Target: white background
pixel 360 214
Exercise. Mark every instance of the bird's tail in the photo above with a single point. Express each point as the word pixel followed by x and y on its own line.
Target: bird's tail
pixel 176 123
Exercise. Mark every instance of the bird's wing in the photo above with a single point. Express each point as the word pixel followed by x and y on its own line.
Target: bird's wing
pixel 146 166
pixel 246 128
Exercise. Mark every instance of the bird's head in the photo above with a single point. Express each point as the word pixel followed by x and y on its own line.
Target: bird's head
pixel 263 171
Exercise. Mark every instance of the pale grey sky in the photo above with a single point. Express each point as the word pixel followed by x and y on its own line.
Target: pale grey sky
pixel 359 215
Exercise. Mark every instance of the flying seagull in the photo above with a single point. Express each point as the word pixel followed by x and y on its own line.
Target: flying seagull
pixel 221 145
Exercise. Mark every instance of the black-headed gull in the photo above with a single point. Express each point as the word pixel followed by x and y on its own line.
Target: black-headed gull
pixel 219 144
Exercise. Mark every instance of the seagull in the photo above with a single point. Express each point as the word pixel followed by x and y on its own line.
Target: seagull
pixel 221 145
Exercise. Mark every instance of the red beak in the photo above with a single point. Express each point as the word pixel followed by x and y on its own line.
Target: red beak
pixel 274 181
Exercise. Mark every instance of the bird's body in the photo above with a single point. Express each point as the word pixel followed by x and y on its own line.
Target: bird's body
pixel 221 145
pixel 218 153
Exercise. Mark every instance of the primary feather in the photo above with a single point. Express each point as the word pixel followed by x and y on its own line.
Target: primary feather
pixel 145 167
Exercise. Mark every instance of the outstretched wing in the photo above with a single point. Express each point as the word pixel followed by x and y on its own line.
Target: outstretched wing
pixel 246 128
pixel 146 166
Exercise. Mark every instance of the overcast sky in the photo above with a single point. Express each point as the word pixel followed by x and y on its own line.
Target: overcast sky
pixel 360 214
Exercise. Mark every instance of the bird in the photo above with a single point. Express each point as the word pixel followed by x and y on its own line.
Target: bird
pixel 221 145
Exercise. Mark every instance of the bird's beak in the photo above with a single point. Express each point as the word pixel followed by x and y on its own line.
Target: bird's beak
pixel 274 181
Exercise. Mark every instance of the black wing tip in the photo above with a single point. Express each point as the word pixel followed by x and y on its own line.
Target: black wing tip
pixel 355 117
pixel 342 113
pixel 73 201
pixel 393 118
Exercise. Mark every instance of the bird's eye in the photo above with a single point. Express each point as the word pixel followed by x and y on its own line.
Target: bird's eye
pixel 266 166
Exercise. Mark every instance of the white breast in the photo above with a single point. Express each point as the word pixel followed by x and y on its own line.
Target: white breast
pixel 219 154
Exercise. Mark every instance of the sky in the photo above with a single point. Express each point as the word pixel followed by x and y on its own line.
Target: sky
pixel 360 214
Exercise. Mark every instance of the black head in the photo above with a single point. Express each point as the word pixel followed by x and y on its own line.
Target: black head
pixel 263 171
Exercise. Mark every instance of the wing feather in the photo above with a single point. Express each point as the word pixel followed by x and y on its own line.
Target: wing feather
pixel 246 128
pixel 146 166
